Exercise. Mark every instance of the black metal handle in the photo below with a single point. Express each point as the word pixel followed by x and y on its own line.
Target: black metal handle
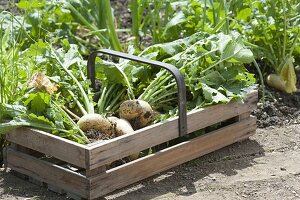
pixel 182 121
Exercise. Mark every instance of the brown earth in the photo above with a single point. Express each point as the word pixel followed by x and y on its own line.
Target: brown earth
pixel 264 167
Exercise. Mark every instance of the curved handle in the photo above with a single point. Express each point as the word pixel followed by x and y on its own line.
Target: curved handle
pixel 182 121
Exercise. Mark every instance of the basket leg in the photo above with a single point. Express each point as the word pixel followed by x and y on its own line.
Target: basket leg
pixel 242 117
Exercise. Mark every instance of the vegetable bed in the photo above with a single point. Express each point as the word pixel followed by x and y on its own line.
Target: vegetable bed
pixel 83 170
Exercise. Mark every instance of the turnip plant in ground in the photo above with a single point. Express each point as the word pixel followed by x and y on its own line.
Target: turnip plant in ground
pixel 272 28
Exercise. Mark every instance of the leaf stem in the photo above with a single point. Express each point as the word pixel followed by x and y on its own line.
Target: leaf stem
pixel 88 105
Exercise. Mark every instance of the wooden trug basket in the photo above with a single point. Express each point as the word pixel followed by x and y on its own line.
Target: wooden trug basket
pixel 80 170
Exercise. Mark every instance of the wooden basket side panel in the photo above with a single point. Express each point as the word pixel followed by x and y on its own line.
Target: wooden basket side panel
pixel 49 144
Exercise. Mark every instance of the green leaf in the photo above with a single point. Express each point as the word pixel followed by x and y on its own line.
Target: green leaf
pixel 243 56
pixel 110 71
pixel 41 120
pixel 11 111
pixel 72 56
pixel 213 95
pixel 38 48
pixel 31 4
pixel 178 19
pixel 212 78
pixel 233 50
pixel 244 14
pixel 37 102
pixel 55 116
pixel 30 120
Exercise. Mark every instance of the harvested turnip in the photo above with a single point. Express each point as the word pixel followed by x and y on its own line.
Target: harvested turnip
pixel 131 109
pixel 96 122
pixel 138 112
pixel 122 127
pixel 143 120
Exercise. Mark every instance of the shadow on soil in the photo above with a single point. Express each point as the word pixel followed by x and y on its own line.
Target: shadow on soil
pixel 181 180
pixel 16 186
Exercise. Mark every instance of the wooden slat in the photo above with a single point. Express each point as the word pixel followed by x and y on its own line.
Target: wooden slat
pixel 117 148
pixel 49 144
pixel 170 157
pixel 244 116
pixel 47 172
pixel 205 117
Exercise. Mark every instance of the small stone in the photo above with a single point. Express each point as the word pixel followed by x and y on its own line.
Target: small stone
pixel 282 169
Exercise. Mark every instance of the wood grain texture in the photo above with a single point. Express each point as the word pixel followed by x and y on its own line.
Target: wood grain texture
pixel 49 144
pixel 244 116
pixel 170 157
pixel 108 151
pixel 48 172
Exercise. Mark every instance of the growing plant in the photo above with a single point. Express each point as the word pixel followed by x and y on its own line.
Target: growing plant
pixel 272 27
pixel 90 24
pixel 98 18
pixel 15 65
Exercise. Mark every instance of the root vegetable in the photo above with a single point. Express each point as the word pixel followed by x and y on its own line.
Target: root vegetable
pixel 286 80
pixel 143 120
pixel 96 122
pixel 276 82
pixel 131 109
pixel 138 112
pixel 122 127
